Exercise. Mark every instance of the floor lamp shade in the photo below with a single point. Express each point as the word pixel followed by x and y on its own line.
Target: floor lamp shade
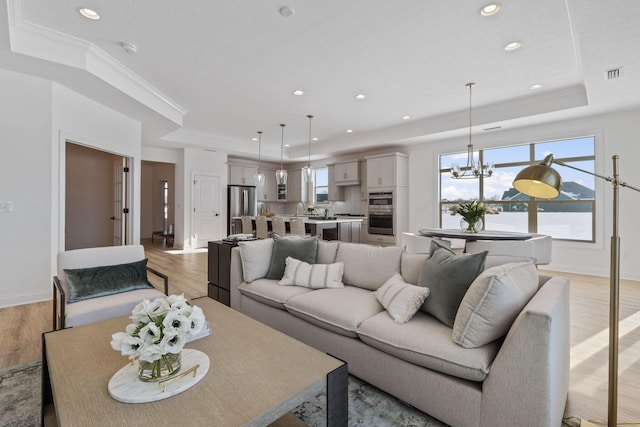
pixel 540 180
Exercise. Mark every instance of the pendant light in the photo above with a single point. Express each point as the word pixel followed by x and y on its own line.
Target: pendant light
pixel 259 176
pixel 308 172
pixel 475 169
pixel 281 174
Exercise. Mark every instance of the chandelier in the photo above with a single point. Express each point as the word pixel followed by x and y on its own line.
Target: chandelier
pixel 259 176
pixel 281 174
pixel 474 169
pixel 308 171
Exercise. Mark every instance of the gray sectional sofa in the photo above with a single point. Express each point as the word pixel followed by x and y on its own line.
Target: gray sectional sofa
pixel 518 379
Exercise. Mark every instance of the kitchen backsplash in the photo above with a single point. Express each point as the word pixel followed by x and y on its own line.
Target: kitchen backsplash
pixel 352 204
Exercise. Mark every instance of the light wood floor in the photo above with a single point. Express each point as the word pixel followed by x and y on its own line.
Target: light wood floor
pixel 21 328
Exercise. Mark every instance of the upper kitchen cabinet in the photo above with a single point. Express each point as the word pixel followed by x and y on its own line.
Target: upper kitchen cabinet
pixel 242 175
pixel 364 194
pixel 388 170
pixel 336 193
pixel 347 173
pixel 268 192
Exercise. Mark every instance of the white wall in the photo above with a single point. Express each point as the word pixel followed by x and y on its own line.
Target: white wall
pixel 197 161
pixel 37 117
pixel 25 180
pixel 615 134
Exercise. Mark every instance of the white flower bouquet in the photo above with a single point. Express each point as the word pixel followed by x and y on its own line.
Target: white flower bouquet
pixel 159 330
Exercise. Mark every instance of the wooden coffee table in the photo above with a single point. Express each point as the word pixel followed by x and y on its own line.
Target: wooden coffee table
pixel 257 375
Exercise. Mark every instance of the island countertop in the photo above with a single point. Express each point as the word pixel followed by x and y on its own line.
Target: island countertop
pixel 308 220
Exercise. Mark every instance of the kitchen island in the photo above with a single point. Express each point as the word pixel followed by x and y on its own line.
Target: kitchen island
pixel 345 229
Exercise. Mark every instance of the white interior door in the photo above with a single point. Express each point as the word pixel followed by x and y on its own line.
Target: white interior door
pixel 206 210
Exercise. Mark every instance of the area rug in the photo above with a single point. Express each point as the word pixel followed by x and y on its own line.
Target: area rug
pixel 20 395
pixel 20 403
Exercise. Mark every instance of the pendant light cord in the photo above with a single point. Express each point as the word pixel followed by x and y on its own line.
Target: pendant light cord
pixel 310 117
pixel 259 147
pixel 282 125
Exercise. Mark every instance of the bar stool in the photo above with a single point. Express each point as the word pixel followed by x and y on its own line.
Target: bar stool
pixel 296 226
pixel 278 225
pixel 247 225
pixel 262 228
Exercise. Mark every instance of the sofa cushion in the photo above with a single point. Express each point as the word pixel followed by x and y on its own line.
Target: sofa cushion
pixel 411 266
pixel 96 282
pixel 400 299
pixel 327 251
pixel 448 276
pixel 107 307
pixel 338 310
pixel 302 248
pixel 314 276
pixel 492 303
pixel 496 260
pixel 426 342
pixel 368 266
pixel 256 258
pixel 269 292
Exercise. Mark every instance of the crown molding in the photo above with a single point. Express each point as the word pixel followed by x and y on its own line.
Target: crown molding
pixel 33 40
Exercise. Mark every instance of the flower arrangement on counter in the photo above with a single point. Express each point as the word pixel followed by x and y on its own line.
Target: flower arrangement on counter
pixel 472 213
pixel 159 331
pixel 311 209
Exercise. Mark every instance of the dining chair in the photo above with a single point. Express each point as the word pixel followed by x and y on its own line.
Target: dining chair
pixel 262 227
pixel 278 225
pixel 247 225
pixel 296 226
pixel 537 247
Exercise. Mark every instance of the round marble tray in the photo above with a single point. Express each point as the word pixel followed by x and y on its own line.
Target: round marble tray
pixel 125 386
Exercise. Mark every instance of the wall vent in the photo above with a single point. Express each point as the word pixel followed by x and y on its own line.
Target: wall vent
pixel 613 73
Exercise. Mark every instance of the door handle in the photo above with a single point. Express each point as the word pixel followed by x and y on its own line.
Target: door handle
pixel 113 218
pixel 217 214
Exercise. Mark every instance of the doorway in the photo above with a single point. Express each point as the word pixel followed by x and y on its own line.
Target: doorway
pixel 97 189
pixel 205 218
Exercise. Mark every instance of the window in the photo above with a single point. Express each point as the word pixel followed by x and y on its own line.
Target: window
pixel 321 191
pixel 570 216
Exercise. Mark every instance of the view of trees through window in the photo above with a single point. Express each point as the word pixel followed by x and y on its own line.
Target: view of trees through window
pixel 570 216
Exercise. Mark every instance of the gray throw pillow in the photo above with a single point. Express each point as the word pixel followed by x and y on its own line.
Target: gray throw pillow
pixel 305 249
pixel 448 276
pixel 94 282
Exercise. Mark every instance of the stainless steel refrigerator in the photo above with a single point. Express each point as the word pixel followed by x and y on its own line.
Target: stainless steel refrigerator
pixel 241 201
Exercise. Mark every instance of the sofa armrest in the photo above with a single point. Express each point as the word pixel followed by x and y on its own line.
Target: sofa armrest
pixel 59 301
pixel 164 278
pixel 529 379
pixel 236 277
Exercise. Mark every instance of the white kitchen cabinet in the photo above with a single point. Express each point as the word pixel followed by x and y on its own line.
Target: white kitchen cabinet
pixel 364 194
pixel 390 170
pixel 347 173
pixel 269 190
pixel 336 193
pixel 242 175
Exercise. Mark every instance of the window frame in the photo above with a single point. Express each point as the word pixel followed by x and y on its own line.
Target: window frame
pixel 532 203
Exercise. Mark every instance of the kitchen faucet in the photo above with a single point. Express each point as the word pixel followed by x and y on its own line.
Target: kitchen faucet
pixel 303 208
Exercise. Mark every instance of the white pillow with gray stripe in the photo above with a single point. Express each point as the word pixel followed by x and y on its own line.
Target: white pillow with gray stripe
pixel 401 299
pixel 314 276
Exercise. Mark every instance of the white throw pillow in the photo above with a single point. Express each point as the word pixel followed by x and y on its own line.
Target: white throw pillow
pixel 401 299
pixel 315 276
pixel 256 258
pixel 492 303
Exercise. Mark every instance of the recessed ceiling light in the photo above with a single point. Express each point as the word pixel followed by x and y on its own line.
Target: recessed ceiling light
pixel 360 96
pixel 512 46
pixel 254 139
pixel 298 92
pixel 314 138
pixel 349 130
pixel 89 13
pixel 536 86
pixel 406 117
pixel 287 145
pixel 286 11
pixel 490 9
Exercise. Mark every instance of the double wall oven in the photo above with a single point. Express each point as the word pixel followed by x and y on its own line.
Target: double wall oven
pixel 381 213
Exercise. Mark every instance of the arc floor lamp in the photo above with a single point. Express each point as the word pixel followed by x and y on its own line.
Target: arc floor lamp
pixel 543 181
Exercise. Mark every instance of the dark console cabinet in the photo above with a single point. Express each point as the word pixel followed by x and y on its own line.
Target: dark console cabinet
pixel 218 276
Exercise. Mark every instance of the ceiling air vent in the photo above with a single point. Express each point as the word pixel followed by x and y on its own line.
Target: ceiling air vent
pixel 613 73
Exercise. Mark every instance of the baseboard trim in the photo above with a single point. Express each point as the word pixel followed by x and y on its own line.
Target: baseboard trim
pixel 26 298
